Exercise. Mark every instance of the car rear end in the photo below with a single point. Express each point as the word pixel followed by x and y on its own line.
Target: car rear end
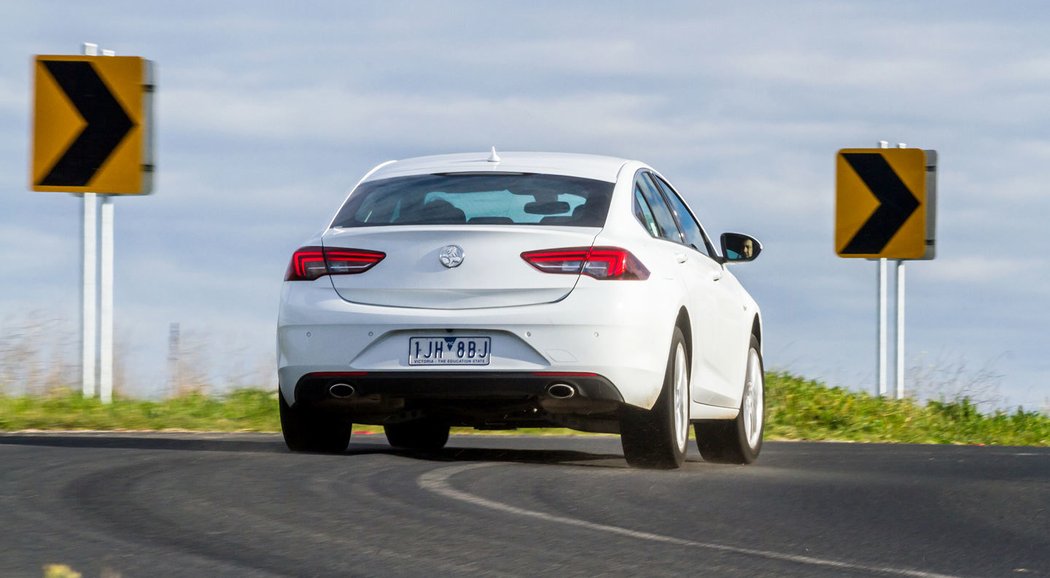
pixel 470 291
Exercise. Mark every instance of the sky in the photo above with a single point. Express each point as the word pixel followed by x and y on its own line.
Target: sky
pixel 267 112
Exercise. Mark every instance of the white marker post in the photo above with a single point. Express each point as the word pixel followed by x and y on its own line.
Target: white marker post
pixel 883 322
pixel 883 341
pixel 900 329
pixel 88 290
pixel 105 382
pixel 900 320
pixel 881 349
pixel 97 266
pixel 88 294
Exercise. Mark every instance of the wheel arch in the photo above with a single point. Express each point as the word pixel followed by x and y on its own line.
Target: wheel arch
pixel 683 323
pixel 756 330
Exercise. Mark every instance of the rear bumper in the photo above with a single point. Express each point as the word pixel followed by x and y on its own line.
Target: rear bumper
pixel 313 388
pixel 601 329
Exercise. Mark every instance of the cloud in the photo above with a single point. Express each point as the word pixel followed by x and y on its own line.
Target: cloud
pixel 977 270
pixel 330 115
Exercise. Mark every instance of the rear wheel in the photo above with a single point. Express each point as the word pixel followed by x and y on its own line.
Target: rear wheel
pixel 308 430
pixel 738 441
pixel 657 438
pixel 420 434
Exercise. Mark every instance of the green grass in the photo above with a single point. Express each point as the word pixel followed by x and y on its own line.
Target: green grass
pixel 242 410
pixel 800 409
pixel 797 409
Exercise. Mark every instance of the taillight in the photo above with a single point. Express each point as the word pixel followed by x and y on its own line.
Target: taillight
pixel 351 261
pixel 309 263
pixel 603 263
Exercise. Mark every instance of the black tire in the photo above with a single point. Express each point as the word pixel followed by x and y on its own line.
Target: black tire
pixel 313 431
pixel 657 438
pixel 738 441
pixel 421 434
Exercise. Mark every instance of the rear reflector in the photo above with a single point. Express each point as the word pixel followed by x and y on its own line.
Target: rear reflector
pixel 309 263
pixel 605 263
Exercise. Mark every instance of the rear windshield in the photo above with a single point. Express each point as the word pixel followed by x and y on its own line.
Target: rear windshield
pixel 456 199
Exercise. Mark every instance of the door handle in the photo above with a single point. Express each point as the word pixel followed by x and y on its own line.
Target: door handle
pixel 716 275
pixel 681 257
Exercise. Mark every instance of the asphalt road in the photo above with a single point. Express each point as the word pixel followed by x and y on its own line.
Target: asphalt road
pixel 241 505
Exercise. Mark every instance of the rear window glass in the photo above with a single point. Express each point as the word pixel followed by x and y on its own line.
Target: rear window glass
pixel 473 199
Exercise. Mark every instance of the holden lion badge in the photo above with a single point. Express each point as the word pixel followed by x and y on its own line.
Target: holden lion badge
pixel 451 256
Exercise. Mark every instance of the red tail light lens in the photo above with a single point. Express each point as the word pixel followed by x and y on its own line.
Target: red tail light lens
pixel 309 263
pixel 351 261
pixel 605 263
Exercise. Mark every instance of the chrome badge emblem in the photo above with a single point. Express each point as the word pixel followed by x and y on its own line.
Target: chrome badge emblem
pixel 451 256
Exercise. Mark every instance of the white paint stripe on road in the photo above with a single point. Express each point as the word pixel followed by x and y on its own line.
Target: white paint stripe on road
pixel 437 481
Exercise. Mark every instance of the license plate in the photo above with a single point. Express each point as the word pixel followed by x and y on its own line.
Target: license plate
pixel 449 350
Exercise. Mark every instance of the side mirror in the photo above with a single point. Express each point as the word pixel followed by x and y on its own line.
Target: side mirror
pixel 739 248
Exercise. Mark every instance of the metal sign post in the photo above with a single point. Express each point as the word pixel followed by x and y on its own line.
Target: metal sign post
pixel 98 274
pixel 89 288
pixel 883 320
pixel 881 349
pixel 88 292
pixel 105 349
pixel 92 136
pixel 886 209
pixel 899 326
pixel 900 329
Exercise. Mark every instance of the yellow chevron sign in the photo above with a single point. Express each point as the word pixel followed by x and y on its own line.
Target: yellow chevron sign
pixel 883 208
pixel 92 125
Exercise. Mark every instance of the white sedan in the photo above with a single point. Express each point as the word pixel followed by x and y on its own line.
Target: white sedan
pixel 506 290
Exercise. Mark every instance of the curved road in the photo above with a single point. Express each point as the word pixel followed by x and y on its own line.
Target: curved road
pixel 241 505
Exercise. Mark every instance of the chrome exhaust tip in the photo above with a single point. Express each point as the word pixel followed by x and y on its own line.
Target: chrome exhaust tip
pixel 342 390
pixel 561 391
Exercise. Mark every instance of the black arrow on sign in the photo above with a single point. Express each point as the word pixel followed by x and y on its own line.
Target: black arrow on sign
pixel 107 124
pixel 896 203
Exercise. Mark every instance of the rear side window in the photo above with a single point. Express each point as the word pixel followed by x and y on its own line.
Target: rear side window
pixel 667 229
pixel 473 199
pixel 643 213
pixel 691 230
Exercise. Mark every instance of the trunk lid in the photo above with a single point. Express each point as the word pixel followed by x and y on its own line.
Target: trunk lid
pixel 491 274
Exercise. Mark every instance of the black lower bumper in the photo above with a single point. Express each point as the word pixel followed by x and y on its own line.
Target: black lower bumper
pixel 314 388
